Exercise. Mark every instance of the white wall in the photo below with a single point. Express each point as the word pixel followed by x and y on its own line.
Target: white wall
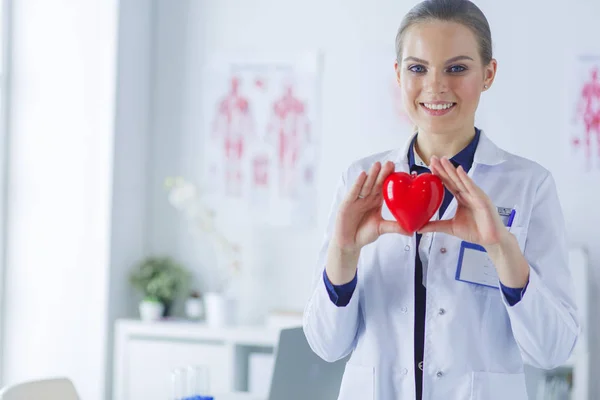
pixel 130 163
pixel 523 112
pixel 4 82
pixel 60 182
pixel 177 44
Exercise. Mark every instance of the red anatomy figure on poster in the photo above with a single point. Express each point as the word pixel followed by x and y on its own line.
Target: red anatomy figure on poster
pixel 291 128
pixel 260 167
pixel 233 126
pixel 589 109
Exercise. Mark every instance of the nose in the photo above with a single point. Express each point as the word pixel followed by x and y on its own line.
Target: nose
pixel 435 82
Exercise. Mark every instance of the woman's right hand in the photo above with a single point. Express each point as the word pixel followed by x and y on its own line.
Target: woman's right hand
pixel 359 221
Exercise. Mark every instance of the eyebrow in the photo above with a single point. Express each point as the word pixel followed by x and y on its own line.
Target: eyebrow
pixel 453 59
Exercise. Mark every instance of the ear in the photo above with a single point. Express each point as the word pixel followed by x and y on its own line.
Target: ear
pixel 489 73
pixel 397 69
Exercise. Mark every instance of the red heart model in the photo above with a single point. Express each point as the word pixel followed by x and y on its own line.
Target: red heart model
pixel 413 199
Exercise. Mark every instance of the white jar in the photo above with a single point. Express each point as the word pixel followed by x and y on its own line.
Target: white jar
pixel 194 308
pixel 220 310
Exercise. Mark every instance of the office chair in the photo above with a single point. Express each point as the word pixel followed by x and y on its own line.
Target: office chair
pixel 45 389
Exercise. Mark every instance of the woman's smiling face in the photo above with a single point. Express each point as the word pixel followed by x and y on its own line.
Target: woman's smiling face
pixel 442 75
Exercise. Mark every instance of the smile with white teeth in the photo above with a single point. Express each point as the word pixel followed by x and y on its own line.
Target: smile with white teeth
pixel 438 106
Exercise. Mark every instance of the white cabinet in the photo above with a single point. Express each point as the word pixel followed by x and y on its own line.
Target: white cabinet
pixel 150 362
pixel 146 354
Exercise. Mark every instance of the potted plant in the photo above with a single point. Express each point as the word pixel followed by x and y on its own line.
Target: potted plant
pixel 151 309
pixel 160 280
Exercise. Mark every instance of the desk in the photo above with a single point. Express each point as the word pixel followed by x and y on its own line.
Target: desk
pixel 236 396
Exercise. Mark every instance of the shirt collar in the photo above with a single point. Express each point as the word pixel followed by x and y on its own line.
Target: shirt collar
pixel 464 157
pixel 487 153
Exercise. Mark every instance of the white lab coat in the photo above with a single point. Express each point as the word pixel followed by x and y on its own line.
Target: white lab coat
pixel 475 342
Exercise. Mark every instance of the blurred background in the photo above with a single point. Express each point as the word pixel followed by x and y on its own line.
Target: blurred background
pixel 167 168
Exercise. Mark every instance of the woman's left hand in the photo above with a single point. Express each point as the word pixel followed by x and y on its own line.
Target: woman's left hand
pixel 476 219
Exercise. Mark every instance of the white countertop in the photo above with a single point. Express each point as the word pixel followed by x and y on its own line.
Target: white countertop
pixel 190 330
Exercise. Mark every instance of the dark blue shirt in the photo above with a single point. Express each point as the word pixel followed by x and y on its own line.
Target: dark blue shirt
pixel 340 295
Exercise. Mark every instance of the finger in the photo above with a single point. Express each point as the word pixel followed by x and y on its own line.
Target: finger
pixel 467 182
pixel 357 186
pixel 438 170
pixel 475 193
pixel 443 226
pixel 386 170
pixel 391 227
pixel 368 186
pixel 447 180
pixel 451 171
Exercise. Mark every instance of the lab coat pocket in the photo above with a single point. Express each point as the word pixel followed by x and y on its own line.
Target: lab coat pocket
pixel 498 386
pixel 357 383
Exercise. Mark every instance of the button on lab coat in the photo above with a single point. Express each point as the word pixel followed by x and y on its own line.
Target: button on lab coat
pixel 475 342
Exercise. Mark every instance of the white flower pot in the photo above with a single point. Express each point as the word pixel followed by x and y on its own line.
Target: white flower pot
pixel 194 308
pixel 151 310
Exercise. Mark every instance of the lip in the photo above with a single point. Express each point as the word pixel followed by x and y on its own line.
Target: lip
pixel 437 113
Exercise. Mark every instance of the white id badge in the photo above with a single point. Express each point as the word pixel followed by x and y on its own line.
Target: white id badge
pixel 475 266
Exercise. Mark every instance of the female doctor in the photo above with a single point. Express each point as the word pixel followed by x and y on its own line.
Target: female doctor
pixel 425 316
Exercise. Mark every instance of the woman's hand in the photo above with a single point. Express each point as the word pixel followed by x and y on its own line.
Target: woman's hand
pixel 476 219
pixel 359 220
pixel 358 223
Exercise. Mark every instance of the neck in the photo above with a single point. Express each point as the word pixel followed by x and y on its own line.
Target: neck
pixel 446 144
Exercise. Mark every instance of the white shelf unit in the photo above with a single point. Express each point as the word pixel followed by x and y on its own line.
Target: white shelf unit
pixel 147 352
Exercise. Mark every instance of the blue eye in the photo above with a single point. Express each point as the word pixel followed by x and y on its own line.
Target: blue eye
pixel 419 69
pixel 457 68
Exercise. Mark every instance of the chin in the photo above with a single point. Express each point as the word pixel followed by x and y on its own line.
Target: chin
pixel 436 126
pixel 448 123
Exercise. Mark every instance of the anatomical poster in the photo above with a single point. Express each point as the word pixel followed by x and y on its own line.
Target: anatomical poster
pixel 261 135
pixel 584 113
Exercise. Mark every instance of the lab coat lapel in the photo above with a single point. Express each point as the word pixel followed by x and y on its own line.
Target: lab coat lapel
pixel 487 153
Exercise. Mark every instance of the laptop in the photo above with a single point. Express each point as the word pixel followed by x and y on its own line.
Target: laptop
pixel 300 374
